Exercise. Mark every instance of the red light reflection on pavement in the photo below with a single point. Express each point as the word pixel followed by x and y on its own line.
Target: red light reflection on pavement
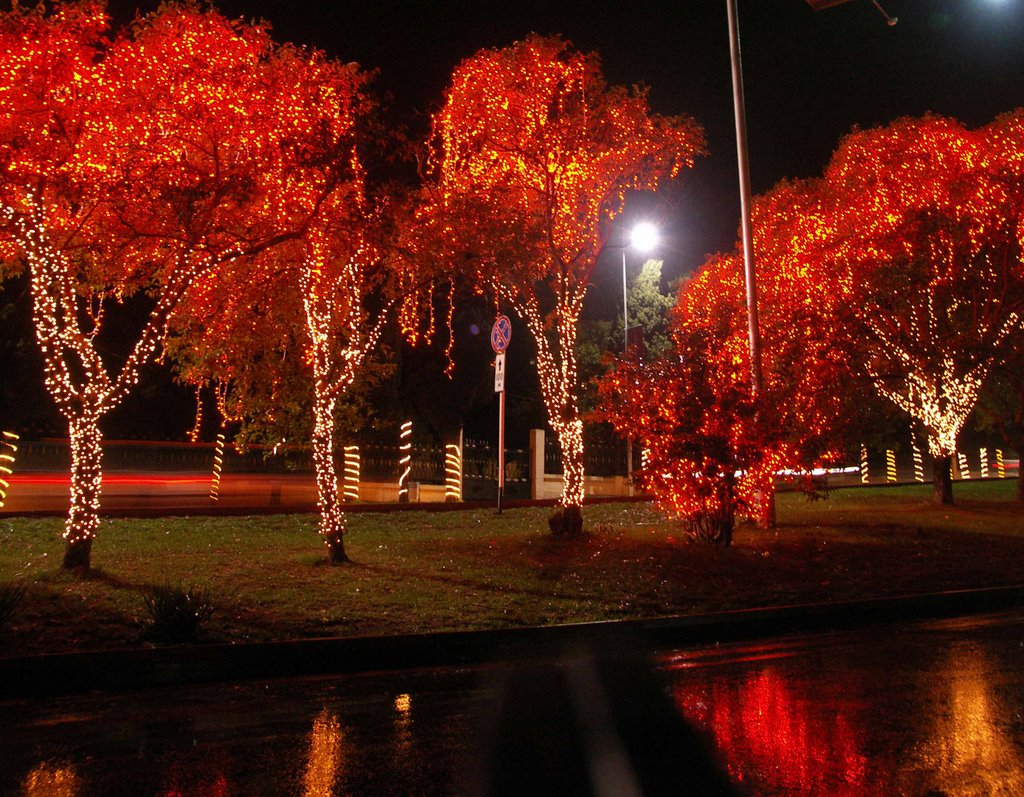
pixel 769 732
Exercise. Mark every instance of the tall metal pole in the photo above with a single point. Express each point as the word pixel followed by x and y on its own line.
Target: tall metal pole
pixel 767 502
pixel 625 353
pixel 625 313
pixel 501 447
pixel 753 329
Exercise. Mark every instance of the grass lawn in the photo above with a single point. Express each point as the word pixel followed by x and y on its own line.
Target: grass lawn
pixel 418 571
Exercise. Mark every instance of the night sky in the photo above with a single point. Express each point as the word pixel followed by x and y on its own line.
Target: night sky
pixel 810 77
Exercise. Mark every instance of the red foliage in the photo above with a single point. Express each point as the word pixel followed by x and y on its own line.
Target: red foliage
pixel 701 435
pixel 711 449
pixel 903 264
pixel 533 155
pixel 926 230
pixel 143 160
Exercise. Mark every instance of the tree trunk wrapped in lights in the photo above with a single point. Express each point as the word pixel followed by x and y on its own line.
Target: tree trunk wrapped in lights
pixel 332 518
pixel 74 373
pixel 559 398
pixel 306 350
pixel 334 308
pixel 86 480
pixel 532 156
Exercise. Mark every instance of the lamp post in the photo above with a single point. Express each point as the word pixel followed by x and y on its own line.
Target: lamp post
pixel 643 238
pixel 743 164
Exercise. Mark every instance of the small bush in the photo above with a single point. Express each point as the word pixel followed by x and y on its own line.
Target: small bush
pixel 176 613
pixel 10 597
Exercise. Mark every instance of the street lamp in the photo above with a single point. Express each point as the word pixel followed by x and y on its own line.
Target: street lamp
pixel 746 227
pixel 743 165
pixel 643 238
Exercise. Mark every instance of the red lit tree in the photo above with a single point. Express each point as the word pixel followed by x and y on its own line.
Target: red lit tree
pixel 927 228
pixel 698 427
pixel 297 331
pixel 46 68
pixel 533 154
pixel 903 265
pixel 132 164
pixel 296 315
pixel 711 450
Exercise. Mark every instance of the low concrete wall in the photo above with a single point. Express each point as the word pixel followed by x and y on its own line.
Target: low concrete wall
pixel 549 485
pixel 386 492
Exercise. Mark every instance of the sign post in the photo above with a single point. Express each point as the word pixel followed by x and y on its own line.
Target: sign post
pixel 501 334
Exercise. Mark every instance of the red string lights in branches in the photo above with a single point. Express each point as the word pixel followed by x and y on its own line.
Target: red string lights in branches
pixel 904 262
pixel 928 234
pixel 141 170
pixel 307 295
pixel 533 154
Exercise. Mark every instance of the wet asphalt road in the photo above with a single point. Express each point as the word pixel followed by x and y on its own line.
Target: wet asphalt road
pixel 925 709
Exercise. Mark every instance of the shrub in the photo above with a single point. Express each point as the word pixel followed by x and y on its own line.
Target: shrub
pixel 176 613
pixel 707 448
pixel 10 597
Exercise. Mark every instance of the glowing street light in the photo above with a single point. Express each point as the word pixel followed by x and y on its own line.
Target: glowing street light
pixel 644 237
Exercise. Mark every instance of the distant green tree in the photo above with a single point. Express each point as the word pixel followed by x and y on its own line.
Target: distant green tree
pixel 601 337
pixel 647 308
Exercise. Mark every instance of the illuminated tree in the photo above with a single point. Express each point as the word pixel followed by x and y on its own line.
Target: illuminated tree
pixel 903 264
pixel 297 314
pixel 711 449
pixel 300 325
pixel 927 232
pixel 132 164
pixel 533 154
pixel 698 427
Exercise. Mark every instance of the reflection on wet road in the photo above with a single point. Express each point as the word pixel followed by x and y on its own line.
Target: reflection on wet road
pixel 396 734
pixel 931 709
pixel 936 710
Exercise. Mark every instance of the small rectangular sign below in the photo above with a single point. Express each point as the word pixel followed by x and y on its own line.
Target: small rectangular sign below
pixel 499 373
